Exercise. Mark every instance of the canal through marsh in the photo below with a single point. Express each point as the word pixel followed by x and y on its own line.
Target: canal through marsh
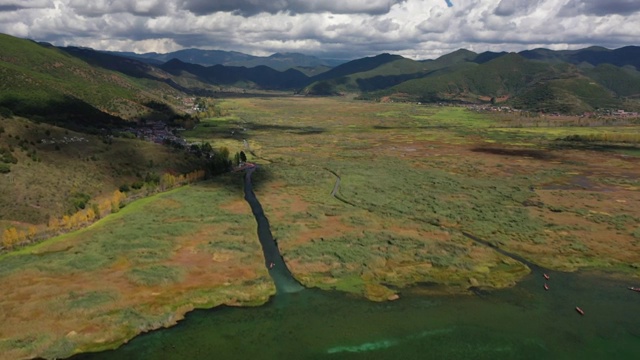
pixel 282 278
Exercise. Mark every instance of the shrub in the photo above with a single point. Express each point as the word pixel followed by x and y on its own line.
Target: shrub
pixel 79 200
pixel 137 185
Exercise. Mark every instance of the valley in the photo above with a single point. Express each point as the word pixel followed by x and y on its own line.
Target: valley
pixel 432 198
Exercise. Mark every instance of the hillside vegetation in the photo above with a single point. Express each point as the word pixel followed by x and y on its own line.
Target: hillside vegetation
pixel 62 149
pixel 536 80
pixel 54 166
pixel 46 84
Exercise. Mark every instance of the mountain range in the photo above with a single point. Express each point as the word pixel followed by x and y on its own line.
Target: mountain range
pixel 116 86
pixel 277 61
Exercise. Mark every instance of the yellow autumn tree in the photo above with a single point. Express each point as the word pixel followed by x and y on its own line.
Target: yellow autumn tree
pixel 10 237
pixel 90 215
pixel 22 236
pixel 7 241
pixel 167 181
pixel 116 200
pixel 104 206
pixel 54 224
pixel 77 219
pixel 66 222
pixel 32 232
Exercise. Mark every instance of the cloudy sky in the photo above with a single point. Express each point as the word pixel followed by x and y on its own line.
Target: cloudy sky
pixel 346 29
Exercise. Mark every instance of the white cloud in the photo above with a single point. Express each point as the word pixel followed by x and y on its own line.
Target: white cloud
pixel 346 29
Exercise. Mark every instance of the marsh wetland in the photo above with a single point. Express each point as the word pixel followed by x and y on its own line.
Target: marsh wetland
pixel 388 268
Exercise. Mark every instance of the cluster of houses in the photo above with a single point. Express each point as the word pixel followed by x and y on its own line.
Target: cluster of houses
pixel 492 108
pixel 622 113
pixel 602 112
pixel 157 132
pixel 190 105
pixel 64 140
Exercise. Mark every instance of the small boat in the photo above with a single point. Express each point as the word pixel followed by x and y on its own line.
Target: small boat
pixel 580 311
pixel 634 288
pixel 546 287
pixel 546 276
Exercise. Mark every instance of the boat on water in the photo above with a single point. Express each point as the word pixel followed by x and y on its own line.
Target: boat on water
pixel 546 287
pixel 580 311
pixel 546 276
pixel 632 288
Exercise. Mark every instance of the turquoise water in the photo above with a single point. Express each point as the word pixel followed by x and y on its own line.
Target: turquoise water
pixel 524 322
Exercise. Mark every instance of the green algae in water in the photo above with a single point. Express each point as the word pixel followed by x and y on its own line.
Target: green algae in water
pixel 383 344
pixel 524 322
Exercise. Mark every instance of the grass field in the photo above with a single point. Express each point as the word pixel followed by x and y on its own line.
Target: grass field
pixel 423 174
pixel 412 179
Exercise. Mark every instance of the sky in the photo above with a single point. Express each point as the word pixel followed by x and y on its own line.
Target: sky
pixel 339 29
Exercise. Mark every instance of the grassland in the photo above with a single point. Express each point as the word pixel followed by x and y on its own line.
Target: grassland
pixel 415 176
pixel 412 178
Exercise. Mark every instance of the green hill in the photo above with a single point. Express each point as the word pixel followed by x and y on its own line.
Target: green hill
pixel 367 74
pixel 502 76
pixel 624 81
pixel 387 74
pixel 550 84
pixel 47 84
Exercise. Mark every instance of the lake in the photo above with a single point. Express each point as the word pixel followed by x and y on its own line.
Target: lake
pixel 523 322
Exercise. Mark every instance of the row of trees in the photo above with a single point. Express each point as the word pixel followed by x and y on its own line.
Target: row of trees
pixel 13 236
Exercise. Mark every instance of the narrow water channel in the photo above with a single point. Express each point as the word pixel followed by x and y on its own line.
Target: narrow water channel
pixel 284 281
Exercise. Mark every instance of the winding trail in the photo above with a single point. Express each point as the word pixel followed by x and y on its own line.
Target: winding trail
pixel 336 188
pixel 284 281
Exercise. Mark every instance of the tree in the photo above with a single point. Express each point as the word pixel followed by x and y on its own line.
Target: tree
pixel 31 232
pixel 224 152
pixel 167 181
pixel 66 222
pixel 90 214
pixel 54 224
pixel 116 200
pixel 9 237
pixel 206 148
pixel 243 156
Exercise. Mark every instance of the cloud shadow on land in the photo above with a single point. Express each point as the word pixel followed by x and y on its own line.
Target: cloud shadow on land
pixel 64 111
pixel 384 82
pixel 234 181
pixel 531 153
pixel 240 130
